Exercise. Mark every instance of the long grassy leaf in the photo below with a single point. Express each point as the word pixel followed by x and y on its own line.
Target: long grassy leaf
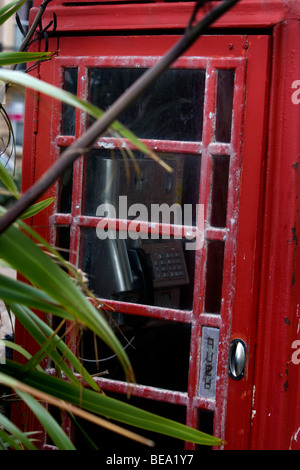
pixel 17 435
pixel 66 352
pixel 8 181
pixel 109 407
pixel 36 208
pixel 70 408
pixel 28 320
pixel 14 291
pixel 24 256
pixel 10 9
pixel 67 98
pixel 20 350
pixel 58 436
pixel 12 58
pixel 8 6
pixel 84 437
pixel 41 333
pixel 9 441
pixel 29 81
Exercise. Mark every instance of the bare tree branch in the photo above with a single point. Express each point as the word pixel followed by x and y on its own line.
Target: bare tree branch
pixel 119 106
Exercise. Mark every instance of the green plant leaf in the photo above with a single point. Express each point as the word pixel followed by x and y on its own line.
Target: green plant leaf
pixel 9 441
pixel 41 332
pixel 14 291
pixel 10 9
pixel 12 58
pixel 20 350
pixel 8 181
pixel 36 208
pixel 17 436
pixel 51 345
pixel 29 81
pixel 109 407
pixel 35 393
pixel 58 436
pixel 37 267
pixel 83 434
pixel 64 96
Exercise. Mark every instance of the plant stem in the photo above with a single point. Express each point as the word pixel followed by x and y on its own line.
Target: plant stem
pixel 119 106
pixel 34 25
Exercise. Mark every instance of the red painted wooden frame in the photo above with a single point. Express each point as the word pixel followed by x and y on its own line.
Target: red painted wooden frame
pixel 264 413
pixel 229 55
pixel 276 412
pixel 135 15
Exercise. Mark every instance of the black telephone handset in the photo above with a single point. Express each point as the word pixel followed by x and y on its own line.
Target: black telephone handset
pixel 139 271
pixel 157 267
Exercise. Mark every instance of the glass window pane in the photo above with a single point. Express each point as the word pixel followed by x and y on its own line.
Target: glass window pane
pixel 109 176
pixel 145 271
pixel 214 276
pixel 158 350
pixel 225 89
pixel 172 108
pixel 63 241
pixel 219 192
pixel 206 424
pixel 68 112
pixel 65 192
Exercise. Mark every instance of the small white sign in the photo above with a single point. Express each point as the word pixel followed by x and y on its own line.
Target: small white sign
pixel 209 362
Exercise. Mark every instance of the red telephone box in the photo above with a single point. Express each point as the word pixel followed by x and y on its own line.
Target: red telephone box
pixel 214 329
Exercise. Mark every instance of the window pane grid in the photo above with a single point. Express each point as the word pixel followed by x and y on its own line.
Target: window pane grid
pixel 214 234
pixel 84 221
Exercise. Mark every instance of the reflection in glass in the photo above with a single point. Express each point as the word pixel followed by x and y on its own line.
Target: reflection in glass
pixel 68 112
pixel 214 276
pixel 145 271
pixel 225 90
pixel 219 192
pixel 172 108
pixel 157 349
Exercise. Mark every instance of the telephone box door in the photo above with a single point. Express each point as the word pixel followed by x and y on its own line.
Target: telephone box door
pixel 172 254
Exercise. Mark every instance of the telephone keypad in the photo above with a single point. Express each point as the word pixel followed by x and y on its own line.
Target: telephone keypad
pixel 168 264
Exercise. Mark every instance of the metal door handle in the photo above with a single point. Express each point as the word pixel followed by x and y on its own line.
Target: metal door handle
pixel 237 359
